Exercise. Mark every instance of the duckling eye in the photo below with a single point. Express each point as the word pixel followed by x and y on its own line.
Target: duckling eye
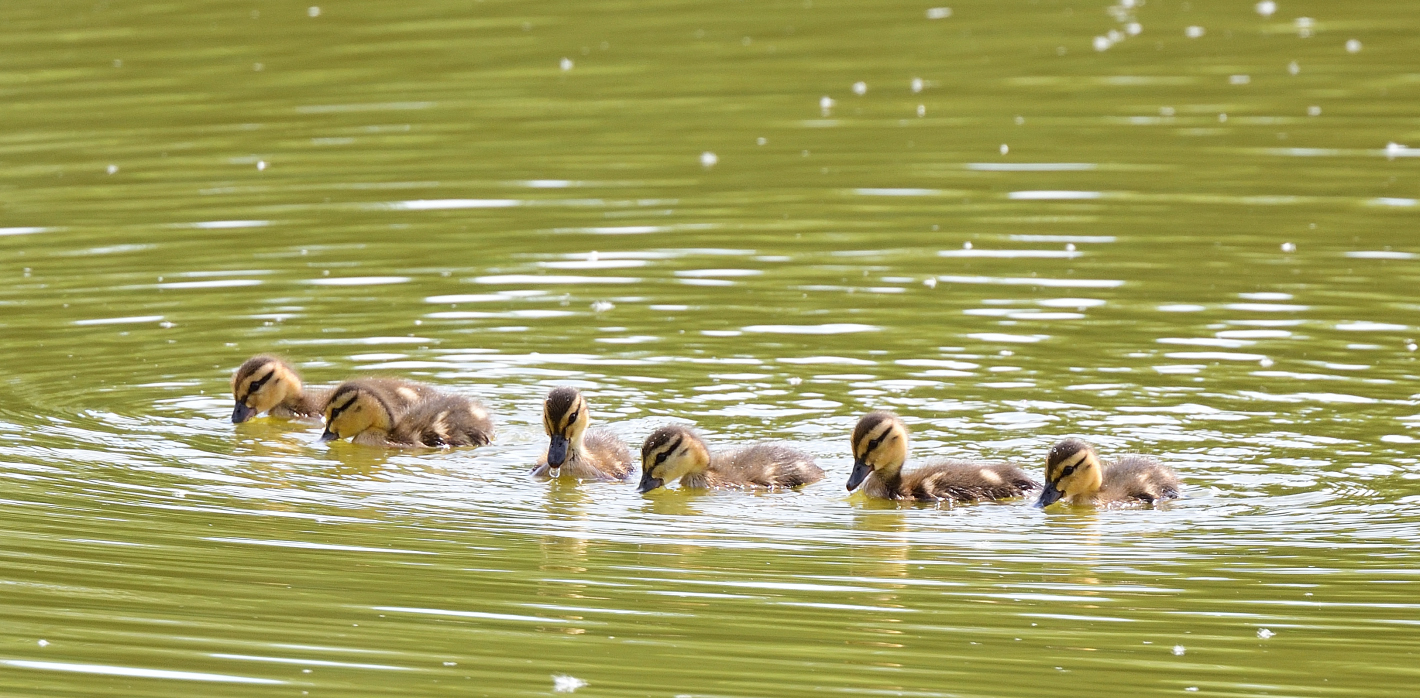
pixel 1068 471
pixel 256 385
pixel 573 417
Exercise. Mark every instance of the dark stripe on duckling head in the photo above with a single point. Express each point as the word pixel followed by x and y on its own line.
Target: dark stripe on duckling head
pixel 560 402
pixel 660 438
pixel 868 423
pixel 256 385
pixel 1067 450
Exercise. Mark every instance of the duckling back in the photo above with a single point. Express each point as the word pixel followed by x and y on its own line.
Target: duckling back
pixel 1138 478
pixel 963 481
pixel 761 465
pixel 443 420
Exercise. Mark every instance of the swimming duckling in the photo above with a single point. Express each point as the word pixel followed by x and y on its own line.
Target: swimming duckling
pixel 880 449
pixel 581 454
pixel 395 413
pixel 1074 474
pixel 673 452
pixel 265 383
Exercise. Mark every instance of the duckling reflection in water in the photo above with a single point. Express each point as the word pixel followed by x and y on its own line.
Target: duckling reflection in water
pixel 880 450
pixel 677 452
pixel 265 383
pixel 1074 474
pixel 573 450
pixel 401 414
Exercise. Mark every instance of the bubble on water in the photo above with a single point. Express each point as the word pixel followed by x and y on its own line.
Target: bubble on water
pixel 602 306
pixel 1020 120
pixel 918 84
pixel 1005 148
pixel 1179 650
pixel 1191 689
pixel 860 88
pixel 1289 247
pixel 1134 29
pixel 1393 150
pixel 1265 362
pixel 1222 118
pixel 826 103
pixel 167 324
pixel 565 684
pixel 112 169
pixel 312 11
pixel 1266 8
pixel 451 663
pixel 709 159
pixel 1293 68
pixel 1239 79
pixel 966 245
pixel 1069 247
pixel 761 140
pixel 1166 111
pixel 1006 352
pixel 1313 110
pixel 1193 32
pixel 1304 27
pixel 795 380
pixel 566 64
pixel 1102 43
pixel 1412 346
pixel 43 643
pixel 1264 633
pixel 260 165
pixel 921 110
pixel 1353 46
pixel 931 282
pixel 939 12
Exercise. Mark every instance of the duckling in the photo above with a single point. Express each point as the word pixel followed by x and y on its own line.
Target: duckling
pixel 1074 474
pixel 265 383
pixel 673 452
pixel 880 449
pixel 581 454
pixel 395 413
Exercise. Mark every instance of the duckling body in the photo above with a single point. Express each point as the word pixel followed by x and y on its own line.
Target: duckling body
pixel 1074 474
pixel 402 414
pixel 677 452
pixel 575 452
pixel 266 383
pixel 880 448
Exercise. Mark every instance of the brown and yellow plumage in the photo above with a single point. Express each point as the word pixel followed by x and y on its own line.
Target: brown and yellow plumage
pixel 677 452
pixel 402 414
pixel 880 448
pixel 266 383
pixel 575 452
pixel 1075 475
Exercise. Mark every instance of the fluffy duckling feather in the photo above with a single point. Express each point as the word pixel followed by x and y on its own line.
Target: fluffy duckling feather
pixel 1075 475
pixel 880 448
pixel 574 451
pixel 266 383
pixel 402 414
pixel 677 452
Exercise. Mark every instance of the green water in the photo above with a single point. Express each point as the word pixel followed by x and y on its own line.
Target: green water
pixel 1201 248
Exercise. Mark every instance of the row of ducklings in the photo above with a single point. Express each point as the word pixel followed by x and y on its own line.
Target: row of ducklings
pixel 397 413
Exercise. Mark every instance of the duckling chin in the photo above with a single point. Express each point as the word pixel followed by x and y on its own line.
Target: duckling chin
pixel 265 383
pixel 880 450
pixel 1075 475
pixel 575 452
pixel 677 452
pixel 401 414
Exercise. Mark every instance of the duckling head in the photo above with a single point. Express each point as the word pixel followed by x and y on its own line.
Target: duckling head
pixel 879 445
pixel 261 383
pixel 670 453
pixel 352 409
pixel 1072 471
pixel 565 418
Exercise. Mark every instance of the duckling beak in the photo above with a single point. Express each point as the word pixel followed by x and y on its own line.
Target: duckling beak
pixel 649 483
pixel 557 451
pixel 1048 496
pixel 328 435
pixel 242 413
pixel 860 473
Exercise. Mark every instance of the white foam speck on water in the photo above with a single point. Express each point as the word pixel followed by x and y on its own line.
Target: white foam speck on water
pixel 1239 79
pixel 1266 8
pixel 1134 29
pixel 562 683
pixel 108 670
pixel 917 85
pixel 312 11
pixel 43 643
pixel 709 159
pixel 1392 201
pixel 921 110
pixel 1353 46
pixel 825 103
pixel 260 165
pixel 1264 633
pixel 860 88
pixel 930 283
pixel 1102 43
pixel 565 64
pixel 939 12
pixel 1294 68
pixel 1289 247
pixel 1314 111
pixel 1179 650
pixel 112 169
pixel 1194 32
pixel 602 306
pixel 1005 148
